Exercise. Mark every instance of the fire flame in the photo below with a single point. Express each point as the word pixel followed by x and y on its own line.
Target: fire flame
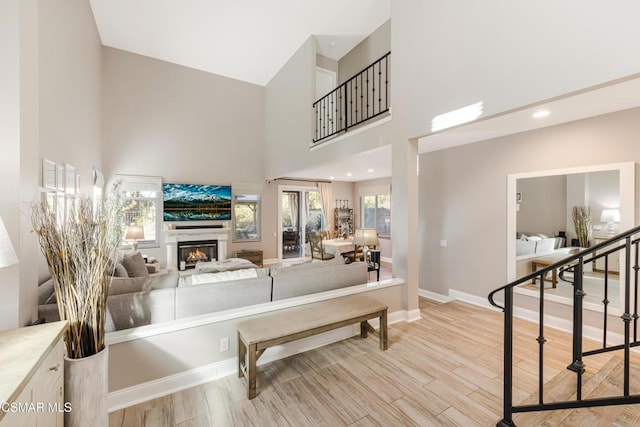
pixel 197 255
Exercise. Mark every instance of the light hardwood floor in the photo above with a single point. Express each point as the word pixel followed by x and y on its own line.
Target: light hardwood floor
pixel 445 369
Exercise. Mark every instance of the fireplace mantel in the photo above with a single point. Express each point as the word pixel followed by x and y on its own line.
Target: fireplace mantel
pixel 173 236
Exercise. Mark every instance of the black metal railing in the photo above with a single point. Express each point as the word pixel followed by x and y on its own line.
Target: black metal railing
pixel 624 244
pixel 356 101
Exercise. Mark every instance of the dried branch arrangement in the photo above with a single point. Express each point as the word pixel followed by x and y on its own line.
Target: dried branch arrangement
pixel 79 251
pixel 582 224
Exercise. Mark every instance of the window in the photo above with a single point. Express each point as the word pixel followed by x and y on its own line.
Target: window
pixel 246 212
pixel 141 204
pixel 376 213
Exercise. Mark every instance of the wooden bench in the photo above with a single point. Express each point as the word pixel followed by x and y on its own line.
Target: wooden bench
pixel 257 334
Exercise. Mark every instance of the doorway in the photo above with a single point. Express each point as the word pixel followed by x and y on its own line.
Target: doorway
pixel 597 186
pixel 300 215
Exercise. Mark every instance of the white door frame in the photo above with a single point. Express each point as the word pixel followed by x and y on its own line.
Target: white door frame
pixel 302 221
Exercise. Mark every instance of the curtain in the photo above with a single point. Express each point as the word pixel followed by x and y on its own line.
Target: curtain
pixel 327 198
pixel 293 206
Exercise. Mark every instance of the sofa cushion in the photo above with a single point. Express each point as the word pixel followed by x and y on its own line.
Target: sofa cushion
pixel 142 308
pixel 125 285
pixel 134 264
pixel 307 266
pixel 229 264
pixel 223 276
pixel 318 280
pixel 212 297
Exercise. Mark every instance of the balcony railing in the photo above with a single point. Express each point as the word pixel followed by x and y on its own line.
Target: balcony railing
pixel 356 101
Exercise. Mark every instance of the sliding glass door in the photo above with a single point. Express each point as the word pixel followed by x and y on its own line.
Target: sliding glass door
pixel 300 214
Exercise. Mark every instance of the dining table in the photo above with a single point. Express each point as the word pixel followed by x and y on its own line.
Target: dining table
pixel 338 246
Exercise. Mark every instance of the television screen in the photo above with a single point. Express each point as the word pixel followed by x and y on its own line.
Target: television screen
pixel 194 202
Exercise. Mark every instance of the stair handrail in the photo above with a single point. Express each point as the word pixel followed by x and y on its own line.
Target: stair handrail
pixel 575 263
pixel 571 257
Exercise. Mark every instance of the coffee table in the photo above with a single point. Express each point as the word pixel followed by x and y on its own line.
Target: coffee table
pixel 546 261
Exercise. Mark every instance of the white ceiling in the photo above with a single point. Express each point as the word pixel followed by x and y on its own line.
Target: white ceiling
pixel 248 40
pixel 616 96
pixel 371 164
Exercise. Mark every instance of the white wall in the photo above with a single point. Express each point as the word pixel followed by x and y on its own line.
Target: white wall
pixel 505 53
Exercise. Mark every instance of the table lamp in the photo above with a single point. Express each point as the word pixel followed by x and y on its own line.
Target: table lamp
pixel 7 253
pixel 610 216
pixel 365 237
pixel 134 233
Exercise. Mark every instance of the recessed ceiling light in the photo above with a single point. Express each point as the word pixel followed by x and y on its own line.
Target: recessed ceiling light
pixel 349 174
pixel 369 170
pixel 332 44
pixel 541 113
pixel 331 177
pixel 457 117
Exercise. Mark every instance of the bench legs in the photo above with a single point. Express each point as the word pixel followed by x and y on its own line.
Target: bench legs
pixel 247 365
pixel 248 354
pixel 365 328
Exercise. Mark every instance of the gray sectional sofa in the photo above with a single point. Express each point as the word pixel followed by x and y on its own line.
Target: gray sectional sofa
pixel 164 296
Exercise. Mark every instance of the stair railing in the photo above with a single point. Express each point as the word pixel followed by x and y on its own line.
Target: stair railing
pixel 575 263
pixel 360 99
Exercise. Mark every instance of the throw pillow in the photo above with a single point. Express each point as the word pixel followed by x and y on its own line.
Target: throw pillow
pixel 134 264
pixel 120 271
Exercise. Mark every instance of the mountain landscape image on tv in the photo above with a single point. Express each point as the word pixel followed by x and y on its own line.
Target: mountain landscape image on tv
pixel 195 202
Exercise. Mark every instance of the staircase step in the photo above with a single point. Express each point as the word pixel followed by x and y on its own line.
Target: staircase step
pixel 562 387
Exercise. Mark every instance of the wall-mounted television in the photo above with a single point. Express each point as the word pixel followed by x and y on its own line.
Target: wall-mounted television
pixel 194 202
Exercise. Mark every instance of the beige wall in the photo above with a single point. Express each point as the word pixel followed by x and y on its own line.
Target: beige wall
pixel 184 125
pixel 365 53
pixel 70 88
pixel 51 54
pixel 463 194
pixel 544 205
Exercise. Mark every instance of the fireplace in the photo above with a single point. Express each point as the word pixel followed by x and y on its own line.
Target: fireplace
pixel 191 252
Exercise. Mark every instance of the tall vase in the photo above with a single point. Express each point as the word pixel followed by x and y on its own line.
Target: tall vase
pixel 86 386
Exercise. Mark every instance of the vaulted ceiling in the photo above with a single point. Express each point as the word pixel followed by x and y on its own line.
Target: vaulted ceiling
pixel 248 40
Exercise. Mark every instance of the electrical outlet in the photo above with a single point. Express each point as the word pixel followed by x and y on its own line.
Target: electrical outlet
pixel 224 344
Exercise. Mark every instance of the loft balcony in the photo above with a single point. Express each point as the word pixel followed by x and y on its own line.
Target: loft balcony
pixel 363 98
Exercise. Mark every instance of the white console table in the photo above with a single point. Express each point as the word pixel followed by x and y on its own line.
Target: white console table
pixel 32 375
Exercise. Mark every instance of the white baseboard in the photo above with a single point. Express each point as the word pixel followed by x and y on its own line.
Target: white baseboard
pixel 171 384
pixel 163 386
pixel 434 296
